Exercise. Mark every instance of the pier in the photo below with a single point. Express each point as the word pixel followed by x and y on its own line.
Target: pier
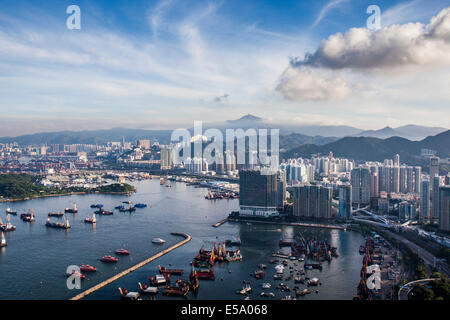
pixel 187 238
pixel 221 222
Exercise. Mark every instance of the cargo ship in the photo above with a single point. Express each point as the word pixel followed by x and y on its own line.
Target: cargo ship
pixel 55 214
pixel 179 289
pixel 160 280
pixel 27 217
pixel 164 270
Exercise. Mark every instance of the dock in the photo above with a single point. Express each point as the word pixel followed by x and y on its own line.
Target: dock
pixel 186 237
pixel 221 222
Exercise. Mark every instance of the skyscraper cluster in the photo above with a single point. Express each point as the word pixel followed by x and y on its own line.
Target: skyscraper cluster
pixel 312 201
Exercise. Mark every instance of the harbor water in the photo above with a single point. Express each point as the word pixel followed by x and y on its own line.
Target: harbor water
pixel 34 263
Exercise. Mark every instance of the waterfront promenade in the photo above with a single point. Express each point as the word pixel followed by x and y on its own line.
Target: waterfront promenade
pixel 102 284
pixel 294 224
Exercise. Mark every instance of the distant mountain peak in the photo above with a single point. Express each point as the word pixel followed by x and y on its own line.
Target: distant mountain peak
pixel 247 117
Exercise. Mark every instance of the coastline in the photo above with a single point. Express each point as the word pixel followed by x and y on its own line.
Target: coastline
pixel 62 195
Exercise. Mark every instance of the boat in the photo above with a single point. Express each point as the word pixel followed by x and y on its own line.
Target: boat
pixel 313 266
pixel 204 274
pixel 103 212
pixel 127 295
pixel 246 289
pixel 277 277
pixel 57 225
pixel 76 274
pixel 27 217
pixel 74 209
pixel 109 259
pixel 279 268
pixel 140 205
pixel 298 279
pixel 2 241
pixel 259 274
pixel 160 280
pixel 99 206
pixel 301 259
pixel 9 211
pixel 158 240
pixel 302 292
pixel 266 285
pixel 129 209
pixel 179 289
pixel 268 294
pixel 162 181
pixel 313 282
pixel 145 289
pixel 164 270
pixel 55 214
pixel 119 207
pixel 92 220
pixel 87 268
pixel 6 227
pixel 122 252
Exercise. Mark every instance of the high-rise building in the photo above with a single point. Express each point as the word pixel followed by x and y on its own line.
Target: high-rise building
pixel 281 189
pixel 166 159
pixel 417 179
pixel 145 144
pixel 425 201
pixel 374 189
pixel 345 202
pixel 397 160
pixel 435 183
pixel 434 169
pixel 258 193
pixel 312 201
pixel 444 208
pixel 360 181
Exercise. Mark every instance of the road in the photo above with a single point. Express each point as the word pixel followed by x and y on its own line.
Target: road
pixel 404 291
pixel 429 258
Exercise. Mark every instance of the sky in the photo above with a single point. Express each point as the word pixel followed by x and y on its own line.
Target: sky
pixel 167 63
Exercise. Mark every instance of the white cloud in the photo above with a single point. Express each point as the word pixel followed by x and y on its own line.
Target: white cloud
pixel 305 84
pixel 327 8
pixel 393 46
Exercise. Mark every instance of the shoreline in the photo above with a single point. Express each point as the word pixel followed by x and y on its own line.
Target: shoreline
pixel 63 195
pixel 294 224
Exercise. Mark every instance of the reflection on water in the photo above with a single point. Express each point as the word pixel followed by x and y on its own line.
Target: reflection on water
pixel 43 254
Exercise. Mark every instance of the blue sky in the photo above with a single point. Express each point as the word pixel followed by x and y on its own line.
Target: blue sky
pixel 160 64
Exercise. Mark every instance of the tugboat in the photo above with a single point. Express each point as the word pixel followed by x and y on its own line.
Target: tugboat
pixel 3 241
pixel 27 217
pixel 164 270
pixel 108 259
pixel 122 252
pixel 126 295
pixel 55 214
pixel 9 211
pixel 73 210
pixel 92 220
pixel 145 289
pixel 87 268
pixel 58 225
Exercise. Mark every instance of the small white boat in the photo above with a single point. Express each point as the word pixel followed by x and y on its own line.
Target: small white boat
pixel 266 285
pixel 279 268
pixel 158 240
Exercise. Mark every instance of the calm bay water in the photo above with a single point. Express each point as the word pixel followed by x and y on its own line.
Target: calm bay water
pixel 33 264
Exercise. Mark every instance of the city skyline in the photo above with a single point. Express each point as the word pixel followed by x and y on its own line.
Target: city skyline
pixel 132 66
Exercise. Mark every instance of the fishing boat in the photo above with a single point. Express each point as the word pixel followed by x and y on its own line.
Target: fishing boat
pixel 246 289
pixel 27 217
pixel 109 259
pixel 122 252
pixel 103 212
pixel 158 240
pixel 55 214
pixel 145 289
pixel 92 220
pixel 127 295
pixel 160 280
pixel 164 270
pixel 2 241
pixel 140 205
pixel 9 211
pixel 57 225
pixel 87 268
pixel 76 274
pixel 74 209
